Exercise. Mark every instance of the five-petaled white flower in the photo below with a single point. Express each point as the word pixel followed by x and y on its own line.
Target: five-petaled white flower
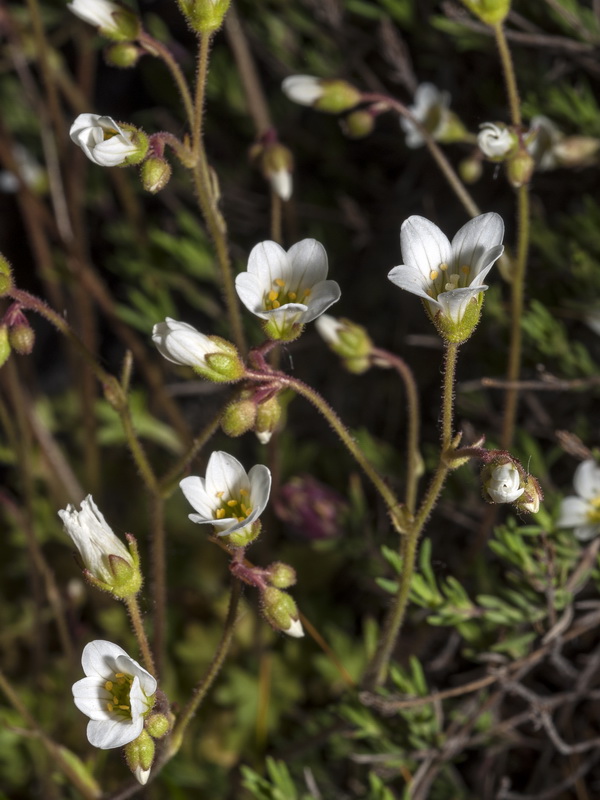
pixel 495 141
pixel 228 498
pixel 100 13
pixel 287 289
pixel 448 275
pixel 503 485
pixel 116 694
pixel 103 141
pixel 431 109
pixel 94 539
pixel 583 512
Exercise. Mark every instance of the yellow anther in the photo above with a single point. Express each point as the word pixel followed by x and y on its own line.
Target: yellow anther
pixel 219 494
pixel 243 492
pixel 276 303
pixel 246 510
pixel 240 519
pixel 108 686
pixel 465 269
pixel 273 295
pixel 220 513
pixel 115 700
pixel 433 274
pixel 232 503
pixel 109 706
pixel 125 708
pixel 292 295
pixel 443 266
pixel 279 282
pixel 119 674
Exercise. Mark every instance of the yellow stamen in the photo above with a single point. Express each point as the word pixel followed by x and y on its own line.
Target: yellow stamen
pixel 220 513
pixel 279 282
pixel 108 686
pixel 240 519
pixel 443 266
pixel 219 494
pixel 115 700
pixel 119 674
pixel 433 274
pixel 109 706
pixel 273 295
pixel 125 708
pixel 232 503
pixel 243 492
pixel 276 303
pixel 292 295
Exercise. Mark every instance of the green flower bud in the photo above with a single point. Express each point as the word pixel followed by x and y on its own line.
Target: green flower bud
pixel 155 174
pixel 268 415
pixel 330 96
pixel 348 340
pixel 239 417
pixel 492 12
pixel 519 169
pixel 21 339
pixel 4 345
pixel 358 124
pixel 281 612
pixel 139 755
pixel 281 575
pixel 204 16
pixel 157 725
pixel 122 55
pixel 470 170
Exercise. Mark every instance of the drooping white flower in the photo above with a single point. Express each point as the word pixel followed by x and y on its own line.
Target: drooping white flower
pixel 448 275
pixel 228 499
pixel 103 141
pixel 302 89
pixel 94 539
pixel 212 357
pixel 431 109
pixel 287 289
pixel 582 512
pixel 495 141
pixel 503 485
pixel 116 694
pixel 113 20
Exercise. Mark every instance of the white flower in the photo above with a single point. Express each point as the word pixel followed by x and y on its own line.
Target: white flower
pixel 94 539
pixel 583 512
pixel 228 498
pixel 102 140
pixel 212 357
pixel 96 12
pixel 503 484
pixel 281 182
pixel 495 141
pixel 116 694
pixel 303 89
pixel 446 274
pixel 329 329
pixel 430 108
pixel 287 289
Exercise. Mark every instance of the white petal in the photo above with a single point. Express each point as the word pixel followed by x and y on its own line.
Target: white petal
pixel 281 181
pixel 475 238
pixel 260 487
pixel 113 152
pixel 424 246
pixel 252 293
pixel 454 303
pixel 302 89
pixel 587 480
pixel 411 280
pixel 573 512
pixel 329 328
pixel 224 473
pixel 309 263
pixel 296 630
pixel 142 775
pixel 195 493
pixel 485 263
pixel 90 697
pixel 323 295
pixel 268 261
pixel 107 734
pixel 99 659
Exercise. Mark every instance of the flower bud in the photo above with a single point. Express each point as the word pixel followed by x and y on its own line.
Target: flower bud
pixel 501 482
pixel 330 96
pixel 122 55
pixel 155 174
pixel 358 124
pixel 21 339
pixel 348 340
pixel 239 416
pixel 519 168
pixel 281 612
pixel 6 281
pixel 5 348
pixel 157 725
pixel 139 755
pixel 470 170
pixel 268 415
pixel 108 143
pixel 204 16
pixel 491 12
pixel 532 496
pixel 496 140
pixel 576 151
pixel 112 20
pixel 280 575
pixel 276 163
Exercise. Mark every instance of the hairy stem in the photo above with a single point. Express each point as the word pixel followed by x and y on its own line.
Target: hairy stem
pixel 140 634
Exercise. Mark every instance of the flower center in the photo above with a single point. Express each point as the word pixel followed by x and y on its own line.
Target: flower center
pixel 235 508
pixel 281 294
pixel 119 689
pixel 593 515
pixel 443 279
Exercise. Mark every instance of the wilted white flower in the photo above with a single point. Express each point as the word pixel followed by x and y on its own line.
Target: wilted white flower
pixel 287 289
pixel 212 357
pixel 503 483
pixel 448 275
pixel 116 694
pixel 302 89
pixel 431 109
pixel 583 512
pixel 100 550
pixel 495 141
pixel 228 499
pixel 103 141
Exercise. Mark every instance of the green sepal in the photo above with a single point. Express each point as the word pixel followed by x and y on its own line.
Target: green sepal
pixel 458 332
pixel 242 537
pixel 288 333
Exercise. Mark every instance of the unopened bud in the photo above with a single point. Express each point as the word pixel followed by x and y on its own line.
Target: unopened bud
pixel 519 169
pixel 330 96
pixel 21 339
pixel 348 340
pixel 157 725
pixel 239 417
pixel 576 151
pixel 155 174
pixel 268 415
pixel 496 140
pixel 277 164
pixel 281 575
pixel 501 482
pixel 491 12
pixel 204 16
pixel 139 755
pixel 358 124
pixel 122 55
pixel 280 611
pixel 470 170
